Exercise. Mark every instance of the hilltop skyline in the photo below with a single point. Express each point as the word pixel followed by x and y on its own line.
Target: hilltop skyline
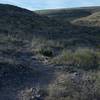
pixel 51 4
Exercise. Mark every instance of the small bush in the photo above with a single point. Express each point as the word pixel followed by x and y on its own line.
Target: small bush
pixel 46 52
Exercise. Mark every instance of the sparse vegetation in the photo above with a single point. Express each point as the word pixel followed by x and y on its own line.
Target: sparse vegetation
pixel 92 20
pixel 76 87
pixel 86 59
pixel 48 49
pixel 66 57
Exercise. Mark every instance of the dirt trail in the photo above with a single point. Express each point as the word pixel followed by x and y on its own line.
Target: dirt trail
pixel 43 79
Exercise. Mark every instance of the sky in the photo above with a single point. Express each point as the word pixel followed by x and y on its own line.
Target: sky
pixel 51 4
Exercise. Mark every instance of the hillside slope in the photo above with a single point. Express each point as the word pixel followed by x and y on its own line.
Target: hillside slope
pixel 35 49
pixel 81 20
pixel 25 24
pixel 92 20
pixel 22 22
pixel 68 14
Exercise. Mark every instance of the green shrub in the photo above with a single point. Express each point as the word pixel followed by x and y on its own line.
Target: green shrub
pixel 46 52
